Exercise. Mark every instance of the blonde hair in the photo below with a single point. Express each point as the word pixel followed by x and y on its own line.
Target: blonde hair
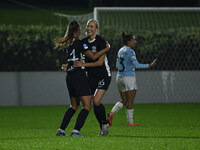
pixel 68 38
pixel 95 21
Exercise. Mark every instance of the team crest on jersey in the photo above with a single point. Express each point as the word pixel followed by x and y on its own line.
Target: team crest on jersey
pixel 85 46
pixel 94 49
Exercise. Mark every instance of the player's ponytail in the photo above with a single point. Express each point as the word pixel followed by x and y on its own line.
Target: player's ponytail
pixel 126 38
pixel 123 34
pixel 68 38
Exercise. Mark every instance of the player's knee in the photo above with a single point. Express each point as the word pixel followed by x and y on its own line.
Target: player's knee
pixel 96 103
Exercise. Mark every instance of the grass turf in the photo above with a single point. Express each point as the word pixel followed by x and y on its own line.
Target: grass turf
pixel 164 126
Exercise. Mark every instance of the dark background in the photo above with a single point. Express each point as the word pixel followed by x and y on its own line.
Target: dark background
pixel 28 31
pixel 114 3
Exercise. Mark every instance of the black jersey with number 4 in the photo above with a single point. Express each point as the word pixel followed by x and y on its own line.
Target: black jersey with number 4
pixel 96 45
pixel 74 53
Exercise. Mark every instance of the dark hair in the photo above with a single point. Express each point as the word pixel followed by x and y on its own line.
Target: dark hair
pixel 126 38
pixel 68 38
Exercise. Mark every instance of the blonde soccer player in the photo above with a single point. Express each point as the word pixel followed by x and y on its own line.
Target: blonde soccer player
pixel 99 73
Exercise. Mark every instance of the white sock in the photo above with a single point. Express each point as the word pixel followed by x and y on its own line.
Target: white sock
pixel 117 107
pixel 61 130
pixel 129 114
pixel 75 130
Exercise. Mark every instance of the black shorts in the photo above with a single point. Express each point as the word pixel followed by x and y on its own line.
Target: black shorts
pixel 77 84
pixel 99 83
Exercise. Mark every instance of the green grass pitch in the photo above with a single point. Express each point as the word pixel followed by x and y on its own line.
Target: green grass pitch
pixel 164 126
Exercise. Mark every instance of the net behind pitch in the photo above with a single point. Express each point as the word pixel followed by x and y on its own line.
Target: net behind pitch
pixel 170 34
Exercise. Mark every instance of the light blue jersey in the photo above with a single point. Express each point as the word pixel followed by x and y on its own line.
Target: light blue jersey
pixel 127 62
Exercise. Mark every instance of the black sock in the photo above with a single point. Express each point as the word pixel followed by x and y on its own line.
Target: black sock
pixel 67 117
pixel 103 114
pixel 81 119
pixel 98 115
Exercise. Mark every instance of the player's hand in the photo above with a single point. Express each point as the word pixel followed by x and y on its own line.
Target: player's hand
pixel 153 63
pixel 107 46
pixel 78 63
pixel 64 67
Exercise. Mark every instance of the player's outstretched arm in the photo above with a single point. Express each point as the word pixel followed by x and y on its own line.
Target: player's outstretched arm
pixel 94 56
pixel 143 66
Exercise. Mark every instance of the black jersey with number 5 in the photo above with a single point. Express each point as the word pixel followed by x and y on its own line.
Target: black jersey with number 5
pixel 74 53
pixel 96 45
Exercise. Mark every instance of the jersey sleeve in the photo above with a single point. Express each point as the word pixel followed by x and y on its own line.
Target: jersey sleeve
pixel 102 44
pixel 84 46
pixel 133 59
pixel 132 55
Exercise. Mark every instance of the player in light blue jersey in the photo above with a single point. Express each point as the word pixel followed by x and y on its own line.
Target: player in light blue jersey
pixel 126 80
pixel 127 62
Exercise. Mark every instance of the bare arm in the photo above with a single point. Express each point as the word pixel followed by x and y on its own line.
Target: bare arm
pixel 93 56
pixel 97 63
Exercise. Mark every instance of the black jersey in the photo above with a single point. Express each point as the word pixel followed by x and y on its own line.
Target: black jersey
pixel 77 80
pixel 74 53
pixel 96 45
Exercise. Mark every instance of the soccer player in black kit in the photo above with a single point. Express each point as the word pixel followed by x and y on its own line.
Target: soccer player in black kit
pixel 77 80
pixel 99 74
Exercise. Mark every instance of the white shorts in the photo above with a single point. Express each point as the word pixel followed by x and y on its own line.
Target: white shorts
pixel 126 83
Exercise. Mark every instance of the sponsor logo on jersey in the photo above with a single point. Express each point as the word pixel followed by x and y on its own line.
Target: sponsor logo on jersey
pixel 94 49
pixel 85 46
